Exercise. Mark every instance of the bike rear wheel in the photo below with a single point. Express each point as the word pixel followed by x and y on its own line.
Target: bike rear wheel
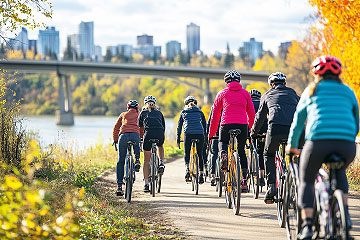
pixel 196 183
pixel 338 216
pixel 153 174
pixel 254 174
pixel 280 206
pixel 293 221
pixel 129 178
pixel 227 189
pixel 219 176
pixel 158 180
pixel 236 186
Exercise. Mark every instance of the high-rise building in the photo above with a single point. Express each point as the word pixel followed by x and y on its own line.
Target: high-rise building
pixel 252 49
pixel 173 49
pixel 98 53
pixel 86 40
pixel 284 48
pixel 48 42
pixel 145 40
pixel 74 44
pixel 193 38
pixel 125 50
pixel 32 45
pixel 20 42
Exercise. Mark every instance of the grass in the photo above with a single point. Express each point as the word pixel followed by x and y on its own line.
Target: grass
pixel 353 173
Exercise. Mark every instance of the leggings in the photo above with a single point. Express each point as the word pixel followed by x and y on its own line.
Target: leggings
pixel 241 140
pixel 199 148
pixel 313 155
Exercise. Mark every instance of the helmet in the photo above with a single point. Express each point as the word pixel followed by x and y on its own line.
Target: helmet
pixel 189 99
pixel 149 99
pixel 133 104
pixel 231 76
pixel 326 63
pixel 277 77
pixel 255 93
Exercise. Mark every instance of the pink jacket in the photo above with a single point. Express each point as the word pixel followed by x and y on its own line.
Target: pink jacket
pixel 236 105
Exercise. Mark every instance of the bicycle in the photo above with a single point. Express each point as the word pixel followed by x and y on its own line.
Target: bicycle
pixel 155 177
pixel 219 175
pixel 233 175
pixel 194 166
pixel 253 166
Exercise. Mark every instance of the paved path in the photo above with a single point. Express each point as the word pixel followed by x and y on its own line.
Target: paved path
pixel 206 217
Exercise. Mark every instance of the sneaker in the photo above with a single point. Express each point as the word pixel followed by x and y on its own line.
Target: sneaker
pixel 244 188
pixel 119 191
pixel 137 165
pixel 161 167
pixel 187 176
pixel 262 182
pixel 213 180
pixel 201 178
pixel 270 194
pixel 146 188
pixel 224 161
pixel 306 233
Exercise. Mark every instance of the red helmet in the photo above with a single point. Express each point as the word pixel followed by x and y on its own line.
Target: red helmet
pixel 324 63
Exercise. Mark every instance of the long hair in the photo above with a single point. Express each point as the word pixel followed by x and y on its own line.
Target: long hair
pixel 190 105
pixel 318 78
pixel 150 106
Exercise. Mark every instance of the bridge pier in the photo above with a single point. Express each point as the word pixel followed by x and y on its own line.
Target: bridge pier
pixel 207 96
pixel 64 115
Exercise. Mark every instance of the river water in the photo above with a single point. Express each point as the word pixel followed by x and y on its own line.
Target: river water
pixel 87 130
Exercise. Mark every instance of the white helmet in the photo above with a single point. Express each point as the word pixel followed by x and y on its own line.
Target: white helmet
pixel 149 99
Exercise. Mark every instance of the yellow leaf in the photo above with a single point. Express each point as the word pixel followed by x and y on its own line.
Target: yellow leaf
pixel 12 182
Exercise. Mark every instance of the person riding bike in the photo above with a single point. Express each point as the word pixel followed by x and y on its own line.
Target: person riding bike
pixel 126 129
pixel 237 113
pixel 279 102
pixel 194 123
pixel 214 148
pixel 152 126
pixel 255 96
pixel 331 111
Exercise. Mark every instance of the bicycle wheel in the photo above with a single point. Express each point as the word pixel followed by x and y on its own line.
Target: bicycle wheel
pixel 153 174
pixel 255 175
pixel 158 179
pixel 196 165
pixel 338 216
pixel 130 179
pixel 280 210
pixel 219 176
pixel 236 186
pixel 293 220
pixel 227 189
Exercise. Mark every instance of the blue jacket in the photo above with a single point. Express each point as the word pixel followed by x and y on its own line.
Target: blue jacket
pixel 193 120
pixel 331 113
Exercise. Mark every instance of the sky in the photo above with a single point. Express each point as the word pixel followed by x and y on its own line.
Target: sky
pixel 220 21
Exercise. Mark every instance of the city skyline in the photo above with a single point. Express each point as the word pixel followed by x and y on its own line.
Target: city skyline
pixel 120 22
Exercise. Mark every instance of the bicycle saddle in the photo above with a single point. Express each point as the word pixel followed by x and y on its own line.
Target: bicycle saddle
pixel 334 161
pixel 131 142
pixel 235 132
pixel 195 140
pixel 154 140
pixel 283 141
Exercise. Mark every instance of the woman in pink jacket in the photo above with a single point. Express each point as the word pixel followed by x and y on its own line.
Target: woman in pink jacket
pixel 237 113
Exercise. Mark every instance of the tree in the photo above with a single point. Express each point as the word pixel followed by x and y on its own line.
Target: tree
pixel 229 57
pixel 339 35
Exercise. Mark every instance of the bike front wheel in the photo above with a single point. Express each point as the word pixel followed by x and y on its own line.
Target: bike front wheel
pixel 293 221
pixel 219 178
pixel 236 184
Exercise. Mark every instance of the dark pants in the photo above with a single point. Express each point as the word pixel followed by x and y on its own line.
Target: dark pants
pixel 260 152
pixel 199 148
pixel 123 140
pixel 214 154
pixel 241 140
pixel 274 135
pixel 313 155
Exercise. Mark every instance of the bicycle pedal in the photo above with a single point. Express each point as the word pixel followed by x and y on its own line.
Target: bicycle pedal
pixel 269 201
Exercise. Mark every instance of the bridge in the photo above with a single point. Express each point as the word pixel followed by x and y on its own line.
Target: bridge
pixel 65 116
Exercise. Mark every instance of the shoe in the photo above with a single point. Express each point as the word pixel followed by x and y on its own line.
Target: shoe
pixel 161 167
pixel 262 182
pixel 213 180
pixel 201 178
pixel 146 188
pixel 270 194
pixel 137 165
pixel 119 191
pixel 187 176
pixel 244 188
pixel 224 161
pixel 306 233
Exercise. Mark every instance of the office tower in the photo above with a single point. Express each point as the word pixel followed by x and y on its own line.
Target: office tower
pixel 145 40
pixel 98 53
pixel 251 49
pixel 284 48
pixel 20 42
pixel 173 49
pixel 48 42
pixel 125 50
pixel 193 38
pixel 32 45
pixel 86 40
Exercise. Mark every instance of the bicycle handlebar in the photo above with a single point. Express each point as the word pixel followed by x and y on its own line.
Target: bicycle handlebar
pixel 115 145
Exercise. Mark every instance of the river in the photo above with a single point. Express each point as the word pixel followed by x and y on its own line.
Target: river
pixel 87 130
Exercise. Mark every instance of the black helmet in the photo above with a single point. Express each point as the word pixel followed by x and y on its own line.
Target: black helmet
pixel 254 93
pixel 133 104
pixel 231 76
pixel 189 99
pixel 277 77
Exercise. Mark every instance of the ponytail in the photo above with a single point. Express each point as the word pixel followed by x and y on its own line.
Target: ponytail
pixel 190 105
pixel 150 106
pixel 318 78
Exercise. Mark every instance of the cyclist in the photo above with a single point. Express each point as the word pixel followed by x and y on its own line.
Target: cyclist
pixel 332 114
pixel 214 148
pixel 237 113
pixel 152 126
pixel 126 129
pixel 279 102
pixel 255 96
pixel 194 123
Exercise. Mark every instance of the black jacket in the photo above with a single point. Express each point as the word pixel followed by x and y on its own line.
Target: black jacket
pixel 280 103
pixel 193 120
pixel 151 120
pixel 264 127
pixel 208 123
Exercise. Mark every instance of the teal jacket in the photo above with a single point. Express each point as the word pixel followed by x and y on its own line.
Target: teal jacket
pixel 331 113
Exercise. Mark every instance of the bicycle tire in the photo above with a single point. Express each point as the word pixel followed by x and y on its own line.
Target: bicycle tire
pixel 256 176
pixel 153 175
pixel 219 178
pixel 293 217
pixel 338 216
pixel 158 179
pixel 280 198
pixel 130 179
pixel 226 190
pixel 196 158
pixel 236 185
